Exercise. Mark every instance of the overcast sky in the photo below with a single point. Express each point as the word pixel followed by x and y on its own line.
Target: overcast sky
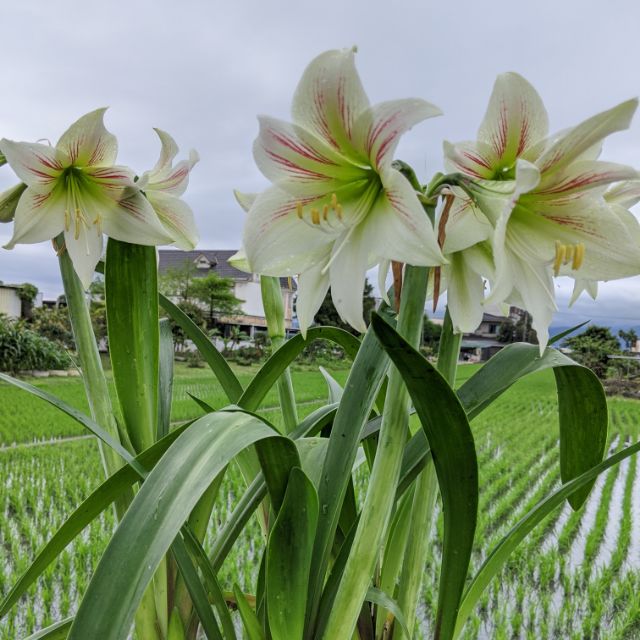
pixel 203 71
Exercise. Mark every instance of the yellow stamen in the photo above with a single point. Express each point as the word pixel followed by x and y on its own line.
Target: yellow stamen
pixel 561 249
pixel 315 216
pixel 568 255
pixel 325 212
pixel 299 210
pixel 578 257
pixel 334 201
pixel 339 211
pixel 67 220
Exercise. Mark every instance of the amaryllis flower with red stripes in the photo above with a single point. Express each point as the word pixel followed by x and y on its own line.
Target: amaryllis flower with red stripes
pixel 164 185
pixel 76 189
pixel 336 207
pixel 537 207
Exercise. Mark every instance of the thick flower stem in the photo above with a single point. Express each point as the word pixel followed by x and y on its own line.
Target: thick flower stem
pixel 426 490
pixel 274 312
pixel 95 383
pixel 379 501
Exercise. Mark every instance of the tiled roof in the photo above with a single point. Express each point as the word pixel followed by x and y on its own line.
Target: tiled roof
pixel 490 317
pixel 218 258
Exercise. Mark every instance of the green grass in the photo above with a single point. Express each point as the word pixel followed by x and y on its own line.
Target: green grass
pixel 538 594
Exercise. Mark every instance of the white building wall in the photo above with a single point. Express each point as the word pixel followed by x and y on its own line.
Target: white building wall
pixel 10 304
pixel 250 293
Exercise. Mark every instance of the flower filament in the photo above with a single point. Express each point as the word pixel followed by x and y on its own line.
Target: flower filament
pixel 566 253
pixel 329 218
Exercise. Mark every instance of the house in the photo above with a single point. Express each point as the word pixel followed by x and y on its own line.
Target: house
pixel 246 287
pixel 483 343
pixel 10 302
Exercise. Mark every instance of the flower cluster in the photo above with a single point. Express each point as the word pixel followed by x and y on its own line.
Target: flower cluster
pixel 76 188
pixel 522 206
pixel 534 206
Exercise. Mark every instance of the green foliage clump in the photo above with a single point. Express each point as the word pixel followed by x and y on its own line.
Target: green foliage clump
pixel 22 349
pixel 593 347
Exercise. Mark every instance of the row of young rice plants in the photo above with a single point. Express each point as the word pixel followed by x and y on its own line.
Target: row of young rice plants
pixel 540 594
pixel 25 419
pixel 577 575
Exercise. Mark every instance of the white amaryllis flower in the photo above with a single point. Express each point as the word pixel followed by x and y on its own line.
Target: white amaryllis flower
pixel 542 200
pixel 164 185
pixel 337 207
pixel 76 189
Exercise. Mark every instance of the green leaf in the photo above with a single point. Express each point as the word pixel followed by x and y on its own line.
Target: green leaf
pixel 333 386
pixel 289 558
pixel 72 412
pixel 176 630
pixel 376 596
pixel 564 334
pixel 274 367
pixel 498 557
pixel 132 321
pixel 221 369
pixel 447 429
pixel 197 592
pixel 157 513
pixel 584 421
pixel 206 407
pixel 581 403
pixel 107 493
pixel 250 620
pixel 360 391
pixel 57 631
pixel 165 387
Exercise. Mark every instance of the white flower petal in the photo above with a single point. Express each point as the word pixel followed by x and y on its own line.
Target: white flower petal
pixel 88 143
pixel 9 201
pixel 299 161
pixel 348 273
pixel 383 271
pixel 277 242
pixel 131 219
pixel 168 151
pixel 587 134
pixel 378 128
pixel 85 250
pixel 580 285
pixel 465 294
pixel 35 164
pixel 239 261
pixel 39 216
pixel 515 120
pixel 312 288
pixel 466 225
pixel 177 217
pixel 625 194
pixel 329 98
pixel 245 200
pixel 581 177
pixel 398 227
pixel 473 159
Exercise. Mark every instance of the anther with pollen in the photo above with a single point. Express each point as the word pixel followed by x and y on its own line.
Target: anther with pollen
pixel 568 253
pixel 326 217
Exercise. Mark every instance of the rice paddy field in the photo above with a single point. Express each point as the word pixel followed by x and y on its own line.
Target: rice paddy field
pixel 577 576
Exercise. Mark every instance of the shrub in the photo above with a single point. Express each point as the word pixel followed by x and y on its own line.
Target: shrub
pixel 22 349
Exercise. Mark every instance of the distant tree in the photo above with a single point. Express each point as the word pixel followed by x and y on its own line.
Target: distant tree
pixel 196 314
pixel 27 294
pixel 216 294
pixel 53 324
pixel 176 282
pixel 629 338
pixel 431 335
pixel 519 331
pixel 327 314
pixel 593 347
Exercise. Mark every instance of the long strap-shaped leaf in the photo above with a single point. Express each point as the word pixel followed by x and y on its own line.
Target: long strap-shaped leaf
pixel 500 554
pixel 72 412
pixel 286 354
pixel 452 447
pixel 57 631
pixel 96 503
pixel 131 287
pixel 582 404
pixel 156 515
pixel 230 383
